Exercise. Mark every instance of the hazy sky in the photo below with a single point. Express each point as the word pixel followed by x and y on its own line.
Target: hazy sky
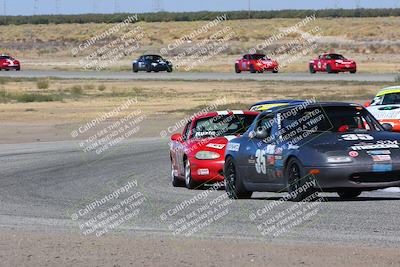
pixel 27 7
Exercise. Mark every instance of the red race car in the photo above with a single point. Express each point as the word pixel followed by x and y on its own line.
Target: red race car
pixel 332 63
pixel 8 63
pixel 197 155
pixel 256 63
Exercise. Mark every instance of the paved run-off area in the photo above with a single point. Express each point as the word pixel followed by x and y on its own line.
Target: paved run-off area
pixel 42 185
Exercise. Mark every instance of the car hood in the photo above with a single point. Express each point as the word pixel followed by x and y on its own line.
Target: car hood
pixel 385 111
pixel 360 141
pixel 217 144
pixel 344 61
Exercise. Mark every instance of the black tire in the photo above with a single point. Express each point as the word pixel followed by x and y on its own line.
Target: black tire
pixel 329 69
pixel 237 68
pixel 349 193
pixel 296 177
pixel 7 69
pixel 176 182
pixel 169 69
pixel 252 70
pixel 189 182
pixel 18 69
pixel 353 71
pixel 275 71
pixel 233 184
pixel 312 70
pixel 135 68
pixel 148 68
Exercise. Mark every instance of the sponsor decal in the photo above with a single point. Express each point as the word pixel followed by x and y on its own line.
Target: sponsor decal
pixel 279 163
pixel 293 147
pixel 278 157
pixel 270 149
pixel 216 146
pixel 379 167
pixel 380 158
pixel 203 172
pixel 378 152
pixel 233 147
pixel 278 151
pixel 271 159
pixel 378 145
pixel 353 154
pixel 201 134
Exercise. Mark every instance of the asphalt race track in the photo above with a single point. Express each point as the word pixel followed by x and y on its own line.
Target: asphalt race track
pixel 41 183
pixel 194 76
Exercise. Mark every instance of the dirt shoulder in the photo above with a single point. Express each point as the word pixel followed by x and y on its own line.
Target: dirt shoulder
pixel 20 248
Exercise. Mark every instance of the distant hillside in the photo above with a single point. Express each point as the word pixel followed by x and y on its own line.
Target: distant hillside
pixel 196 16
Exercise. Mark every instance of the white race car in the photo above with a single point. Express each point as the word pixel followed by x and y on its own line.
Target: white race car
pixel 386 106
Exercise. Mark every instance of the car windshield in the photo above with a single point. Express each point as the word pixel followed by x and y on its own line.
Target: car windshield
pixel 6 57
pixel 222 125
pixel 335 56
pixel 153 58
pixel 259 57
pixel 390 99
pixel 332 119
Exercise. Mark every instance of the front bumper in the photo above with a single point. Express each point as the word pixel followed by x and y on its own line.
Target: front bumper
pixel 264 67
pixel 207 170
pixel 366 177
pixel 10 67
pixel 344 68
pixel 161 67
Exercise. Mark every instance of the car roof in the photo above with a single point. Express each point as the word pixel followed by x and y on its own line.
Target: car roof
pixel 389 90
pixel 150 55
pixel 311 105
pixel 225 112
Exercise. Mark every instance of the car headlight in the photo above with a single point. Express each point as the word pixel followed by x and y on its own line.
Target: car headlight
pixel 207 155
pixel 154 64
pixel 339 159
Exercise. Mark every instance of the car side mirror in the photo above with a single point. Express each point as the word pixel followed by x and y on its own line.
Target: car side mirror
pixel 261 133
pixel 177 137
pixel 387 127
pixel 367 104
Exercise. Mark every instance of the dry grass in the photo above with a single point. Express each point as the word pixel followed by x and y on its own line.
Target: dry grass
pixel 371 41
pixel 172 98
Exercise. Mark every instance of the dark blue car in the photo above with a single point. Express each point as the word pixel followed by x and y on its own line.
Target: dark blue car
pixel 151 63
pixel 309 147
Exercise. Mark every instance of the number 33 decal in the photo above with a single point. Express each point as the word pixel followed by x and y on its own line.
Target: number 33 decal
pixel 355 137
pixel 261 166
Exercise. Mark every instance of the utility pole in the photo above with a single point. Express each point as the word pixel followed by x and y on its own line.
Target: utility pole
pixel 58 6
pixel 158 6
pixel 116 6
pixel 336 4
pixel 5 7
pixel 94 6
pixel 249 6
pixel 35 6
